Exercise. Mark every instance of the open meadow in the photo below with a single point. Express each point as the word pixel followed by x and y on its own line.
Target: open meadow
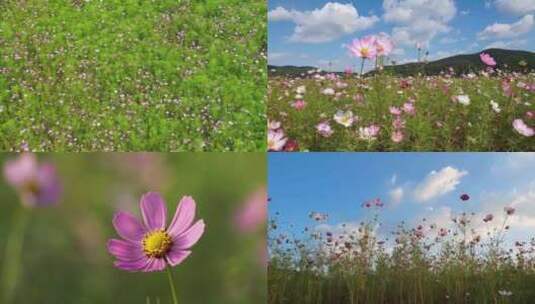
pixel 334 112
pixel 93 75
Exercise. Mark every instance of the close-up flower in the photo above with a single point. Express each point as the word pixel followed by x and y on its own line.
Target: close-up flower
pixel 152 245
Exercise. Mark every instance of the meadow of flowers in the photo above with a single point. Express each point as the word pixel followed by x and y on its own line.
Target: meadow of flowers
pixel 465 261
pixel 132 228
pixel 487 110
pixel 132 75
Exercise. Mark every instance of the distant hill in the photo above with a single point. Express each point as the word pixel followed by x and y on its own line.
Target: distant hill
pixel 462 64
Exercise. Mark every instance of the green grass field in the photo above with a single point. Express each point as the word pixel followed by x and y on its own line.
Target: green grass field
pixel 64 258
pixel 438 122
pixel 132 75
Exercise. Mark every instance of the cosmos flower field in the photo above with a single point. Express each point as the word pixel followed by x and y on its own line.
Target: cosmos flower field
pixel 487 110
pixel 421 264
pixel 67 237
pixel 132 75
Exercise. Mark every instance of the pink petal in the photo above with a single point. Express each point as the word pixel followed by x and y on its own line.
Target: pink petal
pixel 128 227
pixel 125 251
pixel 190 236
pixel 20 170
pixel 132 266
pixel 155 264
pixel 153 211
pixel 184 215
pixel 177 256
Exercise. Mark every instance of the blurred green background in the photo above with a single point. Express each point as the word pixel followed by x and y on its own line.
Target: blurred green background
pixel 65 259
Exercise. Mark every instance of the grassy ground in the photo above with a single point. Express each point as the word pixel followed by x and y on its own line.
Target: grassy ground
pixel 64 256
pixel 417 266
pixel 439 121
pixel 130 75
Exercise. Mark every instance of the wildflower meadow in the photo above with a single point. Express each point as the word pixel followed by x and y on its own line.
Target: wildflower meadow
pixel 420 242
pixel 481 106
pixel 133 228
pixel 93 75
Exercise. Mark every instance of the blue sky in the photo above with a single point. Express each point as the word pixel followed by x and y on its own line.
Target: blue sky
pixel 314 32
pixel 412 185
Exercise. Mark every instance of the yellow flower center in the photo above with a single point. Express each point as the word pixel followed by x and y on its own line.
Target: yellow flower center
pixel 364 52
pixel 157 243
pixel 32 186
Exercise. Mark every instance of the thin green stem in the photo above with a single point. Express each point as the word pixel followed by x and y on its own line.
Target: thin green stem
pixel 172 285
pixel 362 66
pixel 12 259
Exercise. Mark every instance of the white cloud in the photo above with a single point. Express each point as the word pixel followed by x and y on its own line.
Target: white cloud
pixel 418 21
pixel 394 179
pixel 513 44
pixel 438 183
pixel 396 195
pixel 515 7
pixel 331 22
pixel 505 30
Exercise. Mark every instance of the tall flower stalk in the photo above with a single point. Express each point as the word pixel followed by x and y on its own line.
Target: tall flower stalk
pixel 38 186
pixel 11 267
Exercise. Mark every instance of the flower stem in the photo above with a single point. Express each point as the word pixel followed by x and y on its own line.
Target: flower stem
pixel 172 285
pixel 362 66
pixel 12 261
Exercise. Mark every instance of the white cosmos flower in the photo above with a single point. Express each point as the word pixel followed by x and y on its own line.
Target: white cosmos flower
pixel 328 91
pixel 346 119
pixel 301 90
pixel 495 106
pixel 463 99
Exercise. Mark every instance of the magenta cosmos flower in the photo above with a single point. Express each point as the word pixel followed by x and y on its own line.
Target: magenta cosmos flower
pixel 150 246
pixel 37 184
pixel 487 59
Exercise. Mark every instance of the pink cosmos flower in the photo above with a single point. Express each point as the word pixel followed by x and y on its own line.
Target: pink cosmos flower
pixel 409 108
pixel 276 140
pixel 395 111
pixel 364 48
pixel 273 124
pixel 521 127
pixel 369 133
pixel 324 129
pixel 150 246
pixel 383 45
pixel 487 59
pixel 37 184
pixel 299 104
pixel 509 210
pixel 398 123
pixel 253 213
pixel 398 136
pixel 488 218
